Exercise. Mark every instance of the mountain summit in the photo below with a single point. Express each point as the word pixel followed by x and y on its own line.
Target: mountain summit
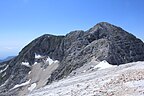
pixel 49 57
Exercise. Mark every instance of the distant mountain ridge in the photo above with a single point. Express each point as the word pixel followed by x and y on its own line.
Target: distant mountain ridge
pixel 67 53
pixel 7 58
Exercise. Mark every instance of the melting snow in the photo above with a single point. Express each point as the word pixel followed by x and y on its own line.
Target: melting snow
pixel 102 65
pixel 32 87
pixel 22 84
pixel 26 64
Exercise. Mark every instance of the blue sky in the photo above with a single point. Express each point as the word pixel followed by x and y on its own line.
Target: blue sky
pixel 21 21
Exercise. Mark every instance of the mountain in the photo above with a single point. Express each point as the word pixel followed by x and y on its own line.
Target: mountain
pixel 49 58
pixel 8 58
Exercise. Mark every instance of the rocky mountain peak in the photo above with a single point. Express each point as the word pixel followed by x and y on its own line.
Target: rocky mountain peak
pixel 66 53
pixel 104 27
pixel 104 24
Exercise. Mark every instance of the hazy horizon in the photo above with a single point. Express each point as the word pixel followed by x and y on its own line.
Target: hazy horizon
pixel 24 20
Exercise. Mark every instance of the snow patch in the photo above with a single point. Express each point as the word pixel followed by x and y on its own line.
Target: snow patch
pixel 29 72
pixel 56 61
pixel 38 56
pixel 4 69
pixel 35 63
pixel 50 61
pixel 102 65
pixel 32 87
pixel 26 64
pixel 84 71
pixel 4 74
pixel 22 84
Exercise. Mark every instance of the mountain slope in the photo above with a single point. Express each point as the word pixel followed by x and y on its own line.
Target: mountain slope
pixel 123 80
pixel 63 54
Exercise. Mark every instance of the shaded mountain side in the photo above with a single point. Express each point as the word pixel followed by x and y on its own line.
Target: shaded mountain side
pixel 104 41
pixel 45 45
pixel 16 73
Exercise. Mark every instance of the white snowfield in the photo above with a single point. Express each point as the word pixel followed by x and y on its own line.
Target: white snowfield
pixel 102 65
pixel 123 80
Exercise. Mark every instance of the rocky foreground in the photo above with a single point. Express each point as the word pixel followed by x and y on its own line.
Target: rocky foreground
pixel 123 80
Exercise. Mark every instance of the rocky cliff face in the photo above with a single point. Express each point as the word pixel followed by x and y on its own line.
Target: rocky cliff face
pixel 104 41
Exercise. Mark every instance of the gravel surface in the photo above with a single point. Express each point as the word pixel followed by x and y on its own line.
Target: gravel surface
pixel 123 80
